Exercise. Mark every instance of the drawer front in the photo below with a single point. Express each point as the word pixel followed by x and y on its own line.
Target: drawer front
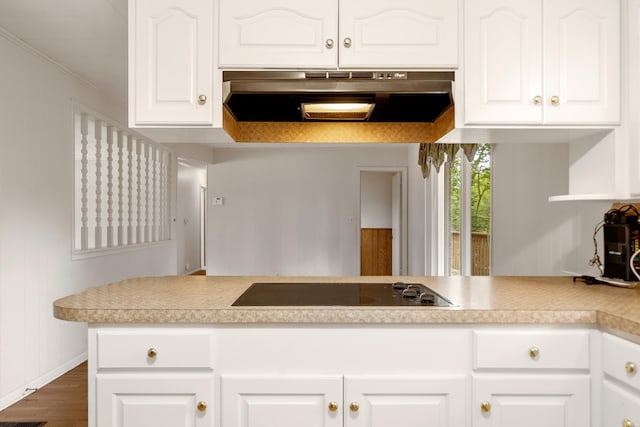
pixel 531 349
pixel 621 359
pixel 143 349
pixel 619 407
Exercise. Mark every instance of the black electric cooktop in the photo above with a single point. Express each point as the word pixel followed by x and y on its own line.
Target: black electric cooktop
pixel 341 294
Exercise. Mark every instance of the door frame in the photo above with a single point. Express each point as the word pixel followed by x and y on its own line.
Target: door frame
pixel 402 261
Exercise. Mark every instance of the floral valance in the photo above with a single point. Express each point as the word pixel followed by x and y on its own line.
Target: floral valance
pixel 435 155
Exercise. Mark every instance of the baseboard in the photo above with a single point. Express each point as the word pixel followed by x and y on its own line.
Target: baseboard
pixel 21 392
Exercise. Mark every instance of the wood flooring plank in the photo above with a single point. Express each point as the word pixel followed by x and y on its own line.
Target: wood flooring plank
pixel 61 403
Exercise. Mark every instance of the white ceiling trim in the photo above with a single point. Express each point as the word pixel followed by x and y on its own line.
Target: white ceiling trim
pixel 35 52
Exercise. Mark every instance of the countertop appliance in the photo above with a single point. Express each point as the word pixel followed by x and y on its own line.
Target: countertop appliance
pixel 341 294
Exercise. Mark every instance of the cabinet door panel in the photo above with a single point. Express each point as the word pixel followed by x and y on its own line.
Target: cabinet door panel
pixel 582 61
pixel 532 401
pixel 404 401
pixel 503 56
pixel 164 400
pixel 294 401
pixel 170 62
pixel 278 34
pixel 403 33
pixel 619 405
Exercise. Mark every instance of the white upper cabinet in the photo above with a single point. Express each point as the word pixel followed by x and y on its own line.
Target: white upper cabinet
pixel 542 62
pixel 170 62
pixel 338 33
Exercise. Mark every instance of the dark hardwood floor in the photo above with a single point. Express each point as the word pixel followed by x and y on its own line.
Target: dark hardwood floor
pixel 61 403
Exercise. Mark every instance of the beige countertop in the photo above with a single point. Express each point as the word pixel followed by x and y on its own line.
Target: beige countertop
pixel 503 300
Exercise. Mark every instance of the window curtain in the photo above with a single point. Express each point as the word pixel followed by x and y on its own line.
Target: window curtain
pixel 435 155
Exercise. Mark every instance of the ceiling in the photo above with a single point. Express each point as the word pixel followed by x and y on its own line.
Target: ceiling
pixel 87 37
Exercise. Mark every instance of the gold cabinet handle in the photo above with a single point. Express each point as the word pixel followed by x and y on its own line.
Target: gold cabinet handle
pixel 555 100
pixel 347 42
pixel 152 353
pixel 202 99
pixel 333 406
pixel 537 100
pixel 202 406
pixel 329 44
pixel 354 406
pixel 630 367
pixel 627 423
pixel 534 352
pixel 485 407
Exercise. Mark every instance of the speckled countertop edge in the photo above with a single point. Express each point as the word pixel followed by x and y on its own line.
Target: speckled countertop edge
pixel 480 300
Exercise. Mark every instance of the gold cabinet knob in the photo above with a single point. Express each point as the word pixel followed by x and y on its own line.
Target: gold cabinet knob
pixel 333 406
pixel 627 423
pixel 534 352
pixel 630 367
pixel 152 353
pixel 347 42
pixel 485 407
pixel 202 99
pixel 329 44
pixel 537 100
pixel 202 406
pixel 354 406
pixel 555 100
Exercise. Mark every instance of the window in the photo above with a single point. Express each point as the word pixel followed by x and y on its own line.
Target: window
pixel 469 192
pixel 460 207
pixel 121 186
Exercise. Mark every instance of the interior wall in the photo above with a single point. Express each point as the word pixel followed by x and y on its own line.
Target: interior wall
pixel 36 186
pixel 290 211
pixel 530 235
pixel 375 199
pixel 417 216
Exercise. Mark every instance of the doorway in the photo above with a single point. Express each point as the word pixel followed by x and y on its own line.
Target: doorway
pixel 191 216
pixel 382 237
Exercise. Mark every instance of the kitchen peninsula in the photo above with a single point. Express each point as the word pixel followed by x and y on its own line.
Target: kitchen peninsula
pixel 174 350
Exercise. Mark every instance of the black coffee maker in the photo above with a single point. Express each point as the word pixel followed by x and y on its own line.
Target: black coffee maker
pixel 621 240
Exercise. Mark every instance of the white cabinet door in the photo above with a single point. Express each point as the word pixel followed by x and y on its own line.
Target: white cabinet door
pixel 281 401
pixel 531 401
pixel 634 95
pixel 412 401
pixel 278 34
pixel 581 61
pixel 398 34
pixel 619 406
pixel 503 57
pixel 542 62
pixel 170 62
pixel 159 400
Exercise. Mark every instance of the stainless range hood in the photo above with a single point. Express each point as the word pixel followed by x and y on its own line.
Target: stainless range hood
pixel 337 106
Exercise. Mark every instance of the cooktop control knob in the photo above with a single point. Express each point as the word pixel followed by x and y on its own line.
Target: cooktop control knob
pixel 428 298
pixel 410 293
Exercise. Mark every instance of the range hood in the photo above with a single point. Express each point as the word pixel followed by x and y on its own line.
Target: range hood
pixel 337 106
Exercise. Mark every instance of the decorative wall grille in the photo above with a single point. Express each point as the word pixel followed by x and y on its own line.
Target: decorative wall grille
pixel 121 186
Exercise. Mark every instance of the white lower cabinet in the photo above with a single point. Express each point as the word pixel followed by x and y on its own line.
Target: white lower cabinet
pixel 151 376
pixel 531 401
pixel 621 383
pixel 334 400
pixel 531 378
pixel 158 400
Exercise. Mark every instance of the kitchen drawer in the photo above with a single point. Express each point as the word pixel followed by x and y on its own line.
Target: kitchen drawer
pixel 525 349
pixel 157 349
pixel 619 407
pixel 621 359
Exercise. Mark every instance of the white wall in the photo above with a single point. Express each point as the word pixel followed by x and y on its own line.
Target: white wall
pixel 375 199
pixel 36 190
pixel 531 236
pixel 287 211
